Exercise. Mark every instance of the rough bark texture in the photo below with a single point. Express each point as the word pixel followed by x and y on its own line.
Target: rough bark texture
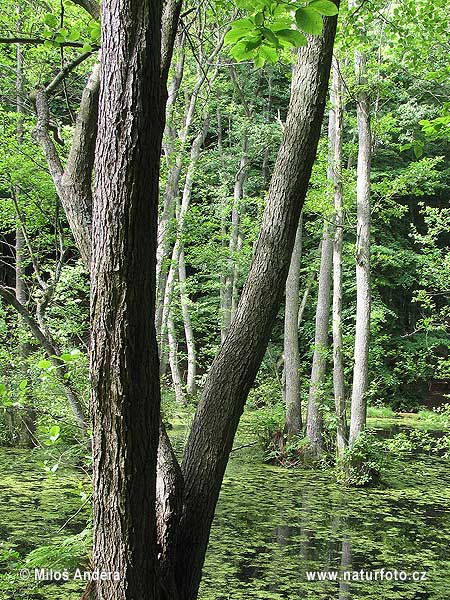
pixel 318 371
pixel 363 295
pixel 73 184
pixel 235 367
pixel 124 355
pixel 338 364
pixel 291 352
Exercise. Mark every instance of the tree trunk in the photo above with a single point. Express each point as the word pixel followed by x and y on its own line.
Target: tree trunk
pixel 27 415
pixel 230 287
pixel 173 359
pixel 191 383
pixel 318 371
pixel 181 217
pixel 236 364
pixel 338 365
pixel 125 396
pixel 291 352
pixel 363 295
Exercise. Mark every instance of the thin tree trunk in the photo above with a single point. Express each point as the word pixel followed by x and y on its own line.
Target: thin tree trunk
pixel 363 294
pixel 237 362
pixel 53 353
pixel 291 351
pixel 173 359
pixel 191 383
pixel 181 216
pixel 338 364
pixel 318 371
pixel 28 420
pixel 124 353
pixel 230 288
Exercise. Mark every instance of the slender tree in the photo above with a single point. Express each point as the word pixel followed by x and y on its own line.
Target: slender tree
pixel 338 364
pixel 363 293
pixel 291 349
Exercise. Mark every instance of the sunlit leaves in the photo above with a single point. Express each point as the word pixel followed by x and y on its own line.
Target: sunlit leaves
pixel 309 20
pixel 57 35
pixel 273 26
pixel 324 7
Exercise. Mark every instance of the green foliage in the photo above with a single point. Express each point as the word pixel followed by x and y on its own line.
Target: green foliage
pixel 362 464
pixel 270 28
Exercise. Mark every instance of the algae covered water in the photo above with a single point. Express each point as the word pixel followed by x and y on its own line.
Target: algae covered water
pixel 275 530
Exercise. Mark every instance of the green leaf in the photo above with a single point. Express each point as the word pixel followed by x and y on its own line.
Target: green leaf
pixel 240 52
pixel 74 34
pixel 2 389
pixel 309 20
pixel 269 54
pixel 271 37
pixel 243 25
pixel 324 7
pixel 94 31
pixel 86 47
pixel 51 20
pixel 253 44
pixel 293 37
pixel 44 364
pixel 259 61
pixel 23 385
pixel 233 36
pixel 259 18
pixel 54 433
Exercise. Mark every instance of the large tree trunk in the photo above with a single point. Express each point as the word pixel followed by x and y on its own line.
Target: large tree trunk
pixel 124 354
pixel 237 362
pixel 291 351
pixel 363 295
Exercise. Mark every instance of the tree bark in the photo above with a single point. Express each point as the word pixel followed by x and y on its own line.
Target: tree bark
pixel 338 364
pixel 125 397
pixel 291 351
pixel 236 364
pixel 173 359
pixel 191 383
pixel 318 371
pixel 363 294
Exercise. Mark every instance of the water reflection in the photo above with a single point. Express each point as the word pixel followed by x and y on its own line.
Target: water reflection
pixel 275 526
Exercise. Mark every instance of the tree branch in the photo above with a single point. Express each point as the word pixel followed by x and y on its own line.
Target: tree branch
pixel 39 42
pixel 90 6
pixel 169 27
pixel 53 354
pixel 67 69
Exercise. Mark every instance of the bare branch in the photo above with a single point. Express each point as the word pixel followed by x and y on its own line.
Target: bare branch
pixel 67 69
pixel 39 42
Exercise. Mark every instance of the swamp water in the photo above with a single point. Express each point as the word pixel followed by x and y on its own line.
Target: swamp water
pixel 272 526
